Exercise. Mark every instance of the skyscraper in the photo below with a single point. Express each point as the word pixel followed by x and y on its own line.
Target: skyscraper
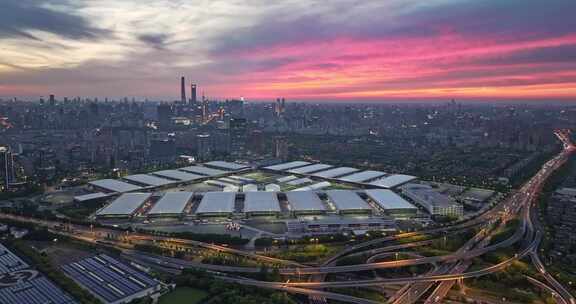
pixel 238 135
pixel 183 89
pixel 6 168
pixel 204 146
pixel 193 99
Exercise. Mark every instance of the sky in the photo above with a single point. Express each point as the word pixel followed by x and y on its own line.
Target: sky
pixel 297 49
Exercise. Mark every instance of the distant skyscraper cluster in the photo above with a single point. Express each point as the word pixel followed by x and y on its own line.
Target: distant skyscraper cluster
pixel 193 96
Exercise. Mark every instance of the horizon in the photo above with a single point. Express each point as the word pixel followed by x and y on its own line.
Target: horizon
pixel 394 51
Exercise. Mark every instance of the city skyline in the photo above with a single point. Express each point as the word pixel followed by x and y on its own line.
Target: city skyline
pixel 392 50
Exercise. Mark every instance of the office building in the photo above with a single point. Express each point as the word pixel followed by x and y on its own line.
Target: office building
pixel 238 137
pixel 193 94
pixel 7 174
pixel 183 90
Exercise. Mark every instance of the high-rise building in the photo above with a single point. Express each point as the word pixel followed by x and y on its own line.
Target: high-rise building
pixel 238 130
pixel 165 113
pixel 7 175
pixel 193 99
pixel 281 147
pixel 52 100
pixel 204 146
pixel 183 89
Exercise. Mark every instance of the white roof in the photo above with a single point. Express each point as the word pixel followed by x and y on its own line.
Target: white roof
pixel 172 203
pixel 91 196
pixel 126 204
pixel 286 178
pixel 286 166
pixel 217 202
pixel 226 165
pixel 203 170
pixel 336 172
pixel 299 181
pixel 347 200
pixel 387 199
pixel 261 202
pixel 393 180
pixel 250 187
pixel 272 187
pixel 320 185
pixel 114 185
pixel 150 180
pixel 362 176
pixel 178 175
pixel 218 183
pixel 310 169
pixel 305 201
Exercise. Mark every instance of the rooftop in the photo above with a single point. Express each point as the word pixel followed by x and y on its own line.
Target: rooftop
pixel 217 202
pixel 261 202
pixel 126 204
pixel 347 200
pixel 172 203
pixel 387 199
pixel 149 180
pixel 114 185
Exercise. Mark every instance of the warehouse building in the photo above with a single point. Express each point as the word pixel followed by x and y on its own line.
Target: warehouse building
pixel 111 281
pixel 178 175
pixel 436 203
pixel 310 169
pixel 392 204
pixel 286 166
pixel 336 172
pixel 392 181
pixel 172 204
pixel 305 202
pixel 228 166
pixel 148 180
pixel 261 203
pixel 316 186
pixel 203 171
pixel 216 204
pixel 361 177
pixel 348 202
pixel 124 206
pixel 357 226
pixel 91 197
pixel 111 185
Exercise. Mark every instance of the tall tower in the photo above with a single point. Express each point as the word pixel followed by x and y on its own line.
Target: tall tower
pixel 193 99
pixel 238 131
pixel 6 168
pixel 183 89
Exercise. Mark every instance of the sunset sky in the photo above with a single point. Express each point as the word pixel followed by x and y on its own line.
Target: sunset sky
pixel 299 49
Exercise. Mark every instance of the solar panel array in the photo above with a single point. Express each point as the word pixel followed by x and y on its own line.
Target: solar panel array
pixel 108 279
pixel 30 289
pixel 10 262
pixel 36 291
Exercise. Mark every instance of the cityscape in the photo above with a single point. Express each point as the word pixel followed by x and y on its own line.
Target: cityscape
pixel 322 152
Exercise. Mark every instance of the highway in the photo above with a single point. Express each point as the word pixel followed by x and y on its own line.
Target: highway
pixel 454 268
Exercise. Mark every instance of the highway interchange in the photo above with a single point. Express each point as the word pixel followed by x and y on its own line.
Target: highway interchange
pixel 452 267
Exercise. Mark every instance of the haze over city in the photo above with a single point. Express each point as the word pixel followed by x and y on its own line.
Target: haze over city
pixel 308 50
pixel 287 152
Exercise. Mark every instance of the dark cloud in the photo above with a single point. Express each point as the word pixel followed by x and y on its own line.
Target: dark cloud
pixel 556 54
pixel 18 17
pixel 157 41
pixel 510 20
